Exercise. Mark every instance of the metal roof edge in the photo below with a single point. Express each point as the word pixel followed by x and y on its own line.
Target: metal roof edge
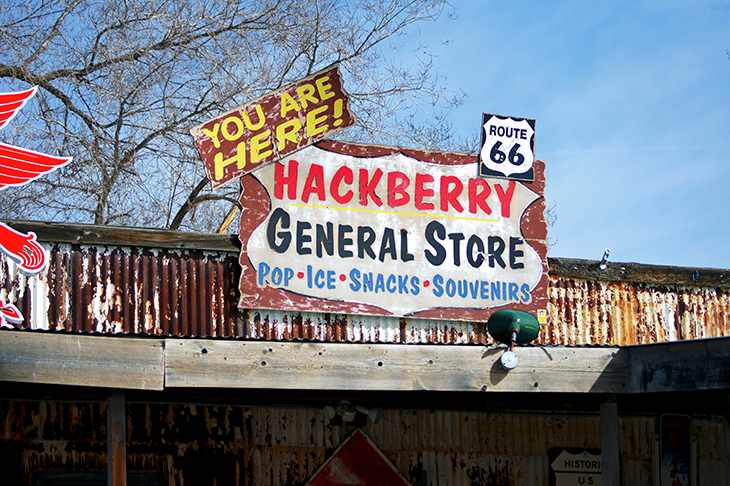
pixel 639 273
pixel 88 234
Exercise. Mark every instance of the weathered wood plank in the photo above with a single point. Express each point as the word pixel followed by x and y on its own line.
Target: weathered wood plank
pixel 336 366
pixel 699 364
pixel 152 364
pixel 67 359
pixel 610 450
pixel 116 419
pixel 640 273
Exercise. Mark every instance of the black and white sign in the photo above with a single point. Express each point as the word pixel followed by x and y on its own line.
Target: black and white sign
pixel 574 467
pixel 507 148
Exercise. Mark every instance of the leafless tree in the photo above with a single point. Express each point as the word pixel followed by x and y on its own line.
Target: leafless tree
pixel 122 81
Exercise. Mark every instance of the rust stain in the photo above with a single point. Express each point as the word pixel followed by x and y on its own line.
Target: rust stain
pixel 187 444
pixel 103 289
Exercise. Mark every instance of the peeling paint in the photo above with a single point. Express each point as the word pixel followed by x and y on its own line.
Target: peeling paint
pixel 112 290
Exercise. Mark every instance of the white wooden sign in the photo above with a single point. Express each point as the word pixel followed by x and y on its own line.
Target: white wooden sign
pixel 363 229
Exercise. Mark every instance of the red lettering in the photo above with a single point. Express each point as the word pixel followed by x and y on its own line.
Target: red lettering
pixel 345 173
pixel 451 196
pixel 422 192
pixel 316 174
pixel 479 198
pixel 505 198
pixel 396 188
pixel 290 181
pixel 368 188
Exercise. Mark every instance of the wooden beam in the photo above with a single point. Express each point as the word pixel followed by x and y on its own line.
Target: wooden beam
pixel 87 234
pixel 390 367
pixel 640 273
pixel 72 359
pixel 153 364
pixel 698 364
pixel 610 453
pixel 116 418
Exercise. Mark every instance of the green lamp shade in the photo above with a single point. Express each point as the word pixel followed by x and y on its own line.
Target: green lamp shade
pixel 503 323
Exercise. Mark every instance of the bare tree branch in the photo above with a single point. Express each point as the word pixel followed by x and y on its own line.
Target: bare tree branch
pixel 53 33
pixel 121 83
pixel 189 204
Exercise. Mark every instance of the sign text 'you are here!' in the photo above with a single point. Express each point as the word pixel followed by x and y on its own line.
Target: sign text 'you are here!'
pixel 273 126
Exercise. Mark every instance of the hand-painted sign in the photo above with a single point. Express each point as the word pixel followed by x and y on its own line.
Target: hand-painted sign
pixel 507 147
pixel 269 128
pixel 357 462
pixel 373 230
pixel 574 467
pixel 19 166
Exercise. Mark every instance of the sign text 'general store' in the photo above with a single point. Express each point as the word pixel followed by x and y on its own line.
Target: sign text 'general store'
pixel 387 234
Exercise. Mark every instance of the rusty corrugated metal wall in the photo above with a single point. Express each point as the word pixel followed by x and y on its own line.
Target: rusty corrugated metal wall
pixel 130 290
pixel 189 292
pixel 184 444
pixel 626 313
pixel 457 448
pixel 225 445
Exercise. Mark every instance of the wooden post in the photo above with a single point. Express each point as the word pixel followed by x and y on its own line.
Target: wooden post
pixel 116 427
pixel 610 467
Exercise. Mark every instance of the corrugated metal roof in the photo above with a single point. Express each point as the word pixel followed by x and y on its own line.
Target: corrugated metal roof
pixel 112 280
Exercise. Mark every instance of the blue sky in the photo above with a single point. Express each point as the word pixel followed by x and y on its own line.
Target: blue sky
pixel 632 102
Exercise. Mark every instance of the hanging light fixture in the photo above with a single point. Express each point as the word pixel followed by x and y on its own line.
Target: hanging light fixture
pixel 509 326
pixel 374 414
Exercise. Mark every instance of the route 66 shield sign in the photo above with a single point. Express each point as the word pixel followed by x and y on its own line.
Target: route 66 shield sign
pixel 507 148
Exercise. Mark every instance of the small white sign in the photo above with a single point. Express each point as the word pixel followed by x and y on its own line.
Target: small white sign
pixel 573 469
pixel 507 148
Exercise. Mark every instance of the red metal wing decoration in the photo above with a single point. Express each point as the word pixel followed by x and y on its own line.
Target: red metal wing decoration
pixel 11 103
pixel 23 249
pixel 19 166
pixel 9 314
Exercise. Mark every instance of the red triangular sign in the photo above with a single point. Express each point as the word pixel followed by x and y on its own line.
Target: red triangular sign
pixel 357 462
